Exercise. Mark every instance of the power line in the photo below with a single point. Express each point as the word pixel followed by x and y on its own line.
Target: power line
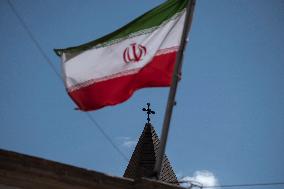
pixel 200 185
pixel 30 34
pixel 24 25
pixel 246 185
pixel 106 136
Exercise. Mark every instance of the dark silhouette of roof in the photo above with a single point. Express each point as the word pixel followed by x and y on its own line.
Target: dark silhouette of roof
pixel 143 159
pixel 24 171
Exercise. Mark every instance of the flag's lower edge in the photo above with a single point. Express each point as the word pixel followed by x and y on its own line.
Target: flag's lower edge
pixel 157 73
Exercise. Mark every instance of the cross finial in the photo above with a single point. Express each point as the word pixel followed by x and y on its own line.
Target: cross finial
pixel 149 111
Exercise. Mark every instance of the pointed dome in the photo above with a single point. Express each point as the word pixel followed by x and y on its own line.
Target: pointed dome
pixel 143 159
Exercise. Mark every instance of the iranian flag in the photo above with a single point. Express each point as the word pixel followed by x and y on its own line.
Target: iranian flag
pixel 107 71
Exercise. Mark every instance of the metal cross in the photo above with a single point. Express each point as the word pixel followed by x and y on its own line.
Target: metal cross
pixel 149 111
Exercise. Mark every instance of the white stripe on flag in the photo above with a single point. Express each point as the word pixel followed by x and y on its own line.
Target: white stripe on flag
pixel 107 62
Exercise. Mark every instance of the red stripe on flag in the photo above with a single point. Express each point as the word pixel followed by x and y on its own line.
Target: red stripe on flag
pixel 158 73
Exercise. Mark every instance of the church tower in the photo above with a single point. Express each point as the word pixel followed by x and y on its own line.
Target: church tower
pixel 143 159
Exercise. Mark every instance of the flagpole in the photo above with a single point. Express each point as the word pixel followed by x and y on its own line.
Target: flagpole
pixel 173 89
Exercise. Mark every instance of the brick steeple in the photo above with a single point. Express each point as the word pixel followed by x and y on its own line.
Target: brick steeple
pixel 143 159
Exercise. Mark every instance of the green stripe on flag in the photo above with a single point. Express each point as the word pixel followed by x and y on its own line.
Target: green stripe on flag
pixel 152 18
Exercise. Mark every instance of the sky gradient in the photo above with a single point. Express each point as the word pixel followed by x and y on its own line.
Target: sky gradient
pixel 229 117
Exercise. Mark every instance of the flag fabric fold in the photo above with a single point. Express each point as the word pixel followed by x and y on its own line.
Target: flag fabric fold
pixel 107 71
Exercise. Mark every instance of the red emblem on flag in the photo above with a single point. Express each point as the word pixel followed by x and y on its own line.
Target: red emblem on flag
pixel 134 53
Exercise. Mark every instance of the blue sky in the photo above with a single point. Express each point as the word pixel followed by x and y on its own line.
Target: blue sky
pixel 229 117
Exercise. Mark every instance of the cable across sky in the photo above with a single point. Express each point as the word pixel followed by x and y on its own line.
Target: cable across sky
pixel 57 73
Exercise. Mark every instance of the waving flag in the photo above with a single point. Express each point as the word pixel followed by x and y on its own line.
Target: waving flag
pixel 107 71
